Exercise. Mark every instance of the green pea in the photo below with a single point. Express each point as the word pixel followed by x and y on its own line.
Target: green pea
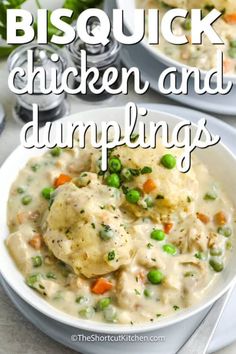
pixel 27 199
pixel 32 279
pixel 87 312
pixel 114 164
pixel 132 196
pixel 148 293
pixel 210 196
pixel 37 261
pixel 149 202
pixel 170 249
pixel 233 43
pixel 47 192
pixel 225 231
pixel 216 252
pixel 20 190
pixel 126 175
pixel 103 303
pixel 110 314
pixel 113 180
pixel 228 245
pixel 232 53
pixel 56 151
pixel 168 161
pixel 157 235
pixel 51 275
pixel 187 24
pixel 216 265
pixel 81 300
pixel 106 233
pixel 155 276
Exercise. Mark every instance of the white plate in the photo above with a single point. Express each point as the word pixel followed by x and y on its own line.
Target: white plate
pixel 175 335
pixel 138 56
pixel 17 160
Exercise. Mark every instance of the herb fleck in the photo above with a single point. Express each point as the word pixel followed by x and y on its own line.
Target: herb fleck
pixel 111 255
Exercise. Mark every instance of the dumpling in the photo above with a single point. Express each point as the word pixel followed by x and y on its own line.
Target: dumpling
pixel 171 190
pixel 85 229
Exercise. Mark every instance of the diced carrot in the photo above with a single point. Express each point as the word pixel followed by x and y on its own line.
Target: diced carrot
pixel 230 18
pixel 36 242
pixel 101 285
pixel 203 218
pixel 149 185
pixel 220 218
pixel 62 179
pixel 167 227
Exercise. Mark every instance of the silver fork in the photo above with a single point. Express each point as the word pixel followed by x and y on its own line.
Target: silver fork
pixel 199 341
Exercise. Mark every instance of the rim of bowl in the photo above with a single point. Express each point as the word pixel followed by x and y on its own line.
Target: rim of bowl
pixel 99 327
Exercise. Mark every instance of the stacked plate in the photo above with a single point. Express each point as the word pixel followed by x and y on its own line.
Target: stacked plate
pixel 152 65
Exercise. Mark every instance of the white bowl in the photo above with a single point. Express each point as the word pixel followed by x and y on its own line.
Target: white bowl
pixel 221 163
pixel 129 7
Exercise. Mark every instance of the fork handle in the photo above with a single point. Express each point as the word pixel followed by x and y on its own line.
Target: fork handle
pixel 199 341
